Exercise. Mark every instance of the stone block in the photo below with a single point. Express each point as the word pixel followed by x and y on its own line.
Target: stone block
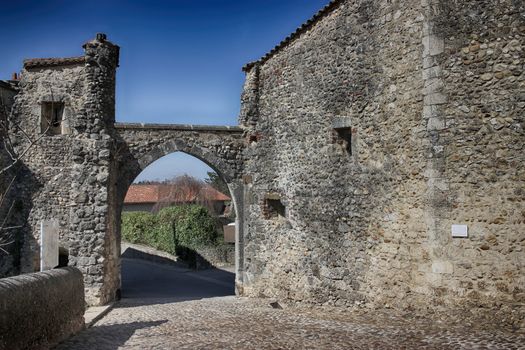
pixel 341 122
pixel 442 267
pixel 435 98
pixel 435 124
pixel 49 244
pixel 433 45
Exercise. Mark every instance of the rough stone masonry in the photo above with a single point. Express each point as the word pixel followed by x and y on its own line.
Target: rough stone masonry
pixel 363 138
pixel 432 96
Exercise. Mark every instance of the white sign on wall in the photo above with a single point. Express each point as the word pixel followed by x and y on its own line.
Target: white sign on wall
pixel 460 231
pixel 48 244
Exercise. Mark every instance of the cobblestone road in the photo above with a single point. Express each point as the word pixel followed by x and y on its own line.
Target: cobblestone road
pixel 228 322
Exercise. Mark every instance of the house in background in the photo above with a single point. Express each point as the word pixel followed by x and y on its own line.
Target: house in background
pixel 153 197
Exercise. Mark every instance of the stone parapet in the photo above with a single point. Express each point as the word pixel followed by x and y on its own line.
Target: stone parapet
pixel 143 126
pixel 39 310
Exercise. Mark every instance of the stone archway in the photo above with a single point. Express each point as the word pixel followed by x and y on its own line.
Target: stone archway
pixel 140 145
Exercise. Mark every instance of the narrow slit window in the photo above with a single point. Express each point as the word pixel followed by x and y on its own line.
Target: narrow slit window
pixel 345 134
pixel 52 117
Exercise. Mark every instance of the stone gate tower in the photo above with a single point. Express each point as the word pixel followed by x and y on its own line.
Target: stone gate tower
pixel 78 163
pixel 63 118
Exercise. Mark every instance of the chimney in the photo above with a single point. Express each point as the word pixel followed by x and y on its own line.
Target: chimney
pixel 15 76
pixel 101 37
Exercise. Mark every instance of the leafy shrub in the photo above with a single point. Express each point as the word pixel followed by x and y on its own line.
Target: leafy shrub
pixel 192 225
pixel 145 228
pixel 196 228
pixel 172 229
pixel 136 226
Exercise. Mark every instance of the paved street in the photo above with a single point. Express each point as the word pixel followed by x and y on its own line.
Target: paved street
pixel 174 308
pixel 146 280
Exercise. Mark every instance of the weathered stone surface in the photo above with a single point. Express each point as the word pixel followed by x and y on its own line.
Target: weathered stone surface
pixel 49 244
pixel 39 310
pixel 434 93
pixel 240 323
pixel 436 141
pixel 79 178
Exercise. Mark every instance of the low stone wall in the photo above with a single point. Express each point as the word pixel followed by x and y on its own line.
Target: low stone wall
pixel 139 251
pixel 201 258
pixel 38 310
pixel 214 256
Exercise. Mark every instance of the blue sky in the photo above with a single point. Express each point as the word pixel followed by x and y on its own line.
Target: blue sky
pixel 180 60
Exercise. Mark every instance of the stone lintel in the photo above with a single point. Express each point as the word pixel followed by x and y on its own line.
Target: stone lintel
pixel 341 122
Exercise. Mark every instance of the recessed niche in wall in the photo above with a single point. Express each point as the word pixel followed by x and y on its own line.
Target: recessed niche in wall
pixel 63 257
pixel 51 118
pixel 273 207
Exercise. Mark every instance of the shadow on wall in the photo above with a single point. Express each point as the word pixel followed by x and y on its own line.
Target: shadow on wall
pixel 203 258
pixel 207 257
pixel 14 212
pixel 136 251
pixel 107 337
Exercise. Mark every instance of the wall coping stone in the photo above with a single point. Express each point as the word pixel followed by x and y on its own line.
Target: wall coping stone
pixel 142 126
pixel 6 85
pixel 52 62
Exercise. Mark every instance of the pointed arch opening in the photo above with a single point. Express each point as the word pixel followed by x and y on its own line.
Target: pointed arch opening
pixel 151 199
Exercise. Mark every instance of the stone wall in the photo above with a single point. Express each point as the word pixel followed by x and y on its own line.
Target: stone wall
pixel 39 310
pixel 44 181
pixel 79 175
pixel 65 176
pixel 429 93
pixel 475 104
pixel 364 136
pixel 214 256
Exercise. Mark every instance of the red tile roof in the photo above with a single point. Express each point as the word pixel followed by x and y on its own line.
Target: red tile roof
pixel 162 193
pixel 214 195
pixel 142 194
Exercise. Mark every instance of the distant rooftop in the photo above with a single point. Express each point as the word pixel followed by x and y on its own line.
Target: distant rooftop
pixel 166 193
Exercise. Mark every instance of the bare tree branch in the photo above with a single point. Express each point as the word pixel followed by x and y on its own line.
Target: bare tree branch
pixel 24 152
pixel 11 228
pixel 183 190
pixel 4 195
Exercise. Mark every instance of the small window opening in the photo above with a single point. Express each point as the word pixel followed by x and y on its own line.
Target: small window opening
pixel 273 207
pixel 252 138
pixel 52 116
pixel 345 135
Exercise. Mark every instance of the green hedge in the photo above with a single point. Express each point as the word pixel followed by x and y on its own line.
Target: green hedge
pixel 172 229
pixel 145 228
